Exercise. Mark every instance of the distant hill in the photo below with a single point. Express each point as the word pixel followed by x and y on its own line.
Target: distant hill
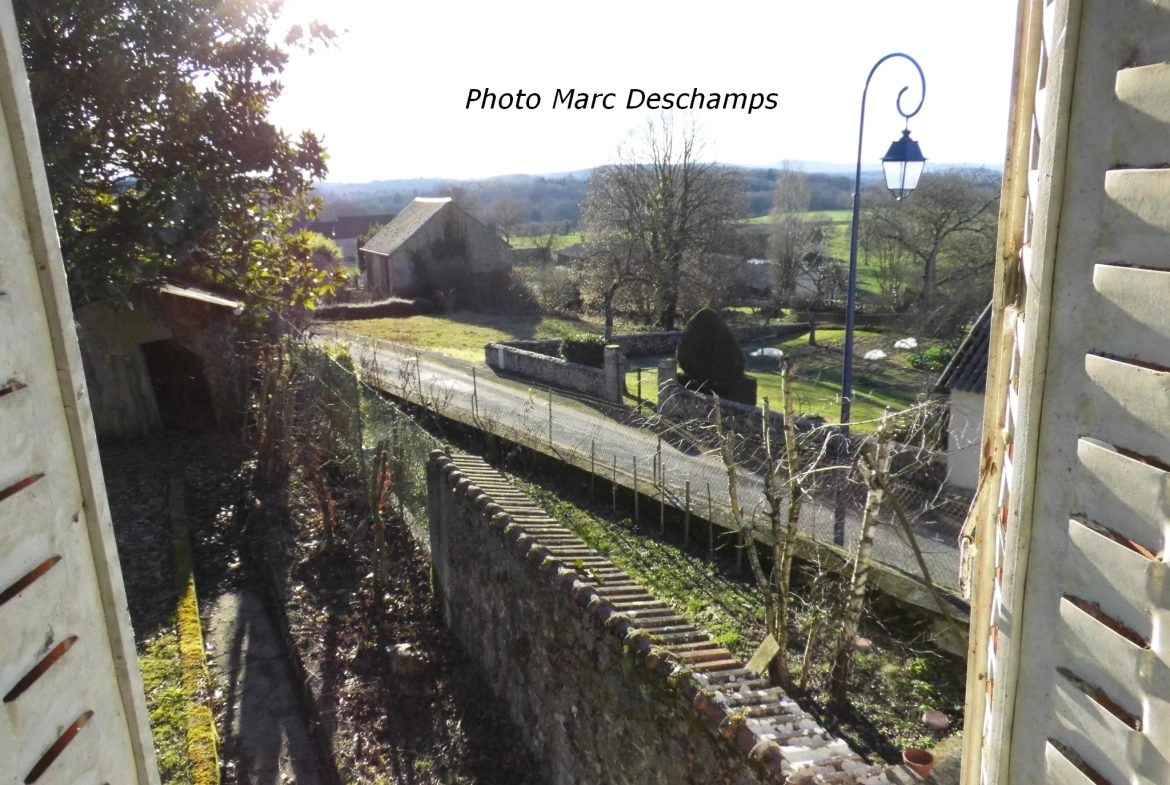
pixel 554 199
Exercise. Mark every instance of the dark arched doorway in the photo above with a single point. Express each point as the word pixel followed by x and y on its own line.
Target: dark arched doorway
pixel 180 386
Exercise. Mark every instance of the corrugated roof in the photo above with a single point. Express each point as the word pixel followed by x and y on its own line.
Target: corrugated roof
pixel 406 223
pixel 967 370
pixel 200 295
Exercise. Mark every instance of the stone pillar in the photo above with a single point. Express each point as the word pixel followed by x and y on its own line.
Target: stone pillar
pixel 615 374
pixel 667 372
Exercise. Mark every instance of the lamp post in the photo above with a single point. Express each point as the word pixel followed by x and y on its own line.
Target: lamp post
pixel 902 166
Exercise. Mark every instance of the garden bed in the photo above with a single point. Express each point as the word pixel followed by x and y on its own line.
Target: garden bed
pixel 397 698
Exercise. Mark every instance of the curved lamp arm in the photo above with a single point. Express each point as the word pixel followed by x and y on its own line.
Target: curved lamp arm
pixel 851 295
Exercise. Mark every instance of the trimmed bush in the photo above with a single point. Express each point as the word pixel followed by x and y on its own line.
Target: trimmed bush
pixel 708 351
pixel 585 349
pixel 393 308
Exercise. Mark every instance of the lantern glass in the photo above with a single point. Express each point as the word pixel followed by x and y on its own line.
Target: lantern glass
pixel 903 164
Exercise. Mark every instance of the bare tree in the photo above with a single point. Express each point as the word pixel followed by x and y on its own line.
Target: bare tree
pixel 463 197
pixel 607 265
pixel 936 223
pixel 508 214
pixel 785 481
pixel 674 208
pixel 792 234
pixel 874 474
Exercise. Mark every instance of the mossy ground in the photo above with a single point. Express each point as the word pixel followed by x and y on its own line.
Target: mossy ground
pixel 162 679
pixel 894 682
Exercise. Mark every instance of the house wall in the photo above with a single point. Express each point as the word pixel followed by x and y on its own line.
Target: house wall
pixel 964 437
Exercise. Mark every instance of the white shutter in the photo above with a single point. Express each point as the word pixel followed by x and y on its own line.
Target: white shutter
pixel 72 707
pixel 1076 593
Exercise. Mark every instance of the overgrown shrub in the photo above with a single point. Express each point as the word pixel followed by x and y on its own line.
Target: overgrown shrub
pixel 585 349
pixel 425 307
pixel 932 359
pixel 708 351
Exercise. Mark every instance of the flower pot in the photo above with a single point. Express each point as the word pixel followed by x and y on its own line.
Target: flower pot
pixel 920 761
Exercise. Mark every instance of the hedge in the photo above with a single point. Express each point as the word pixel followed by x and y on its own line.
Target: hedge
pixel 584 349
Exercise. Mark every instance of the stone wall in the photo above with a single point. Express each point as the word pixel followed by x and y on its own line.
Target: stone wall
pixel 608 383
pixel 605 683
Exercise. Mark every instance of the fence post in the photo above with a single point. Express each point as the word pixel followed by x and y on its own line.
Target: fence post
pixel 710 525
pixel 661 498
pixel 592 467
pixel 635 490
pixel 474 394
pixel 615 484
pixel 687 518
pixel 550 434
pixel 639 387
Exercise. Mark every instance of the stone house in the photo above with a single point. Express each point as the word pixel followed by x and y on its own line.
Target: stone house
pixel 965 381
pixel 433 248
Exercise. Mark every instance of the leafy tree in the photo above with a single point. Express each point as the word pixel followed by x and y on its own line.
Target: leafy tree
pixel 323 251
pixel 161 159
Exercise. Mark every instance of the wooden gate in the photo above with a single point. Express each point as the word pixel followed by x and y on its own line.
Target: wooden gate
pixel 72 706
pixel 1069 675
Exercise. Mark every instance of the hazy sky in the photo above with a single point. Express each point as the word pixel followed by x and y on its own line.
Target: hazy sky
pixel 389 98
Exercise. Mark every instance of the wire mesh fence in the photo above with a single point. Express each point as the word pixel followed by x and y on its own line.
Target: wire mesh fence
pixel 678 463
pixel 313 409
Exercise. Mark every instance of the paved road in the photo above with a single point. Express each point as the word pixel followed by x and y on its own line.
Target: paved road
pixel 514 407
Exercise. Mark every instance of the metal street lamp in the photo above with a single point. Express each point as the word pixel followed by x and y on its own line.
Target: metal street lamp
pixel 902 165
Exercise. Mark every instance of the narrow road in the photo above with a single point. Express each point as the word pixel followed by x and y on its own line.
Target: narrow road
pixel 513 407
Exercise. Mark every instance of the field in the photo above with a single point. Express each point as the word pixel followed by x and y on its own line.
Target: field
pixel 832 216
pixel 563 241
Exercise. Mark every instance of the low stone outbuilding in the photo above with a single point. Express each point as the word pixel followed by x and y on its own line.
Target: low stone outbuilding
pixel 171 361
pixel 432 247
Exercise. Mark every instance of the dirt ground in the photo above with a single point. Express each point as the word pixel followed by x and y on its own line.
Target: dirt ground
pixel 423 718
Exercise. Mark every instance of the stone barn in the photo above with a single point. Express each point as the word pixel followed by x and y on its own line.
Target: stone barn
pixel 437 250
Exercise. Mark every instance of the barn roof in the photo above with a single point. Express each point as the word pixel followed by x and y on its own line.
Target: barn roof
pixel 405 224
pixel 967 370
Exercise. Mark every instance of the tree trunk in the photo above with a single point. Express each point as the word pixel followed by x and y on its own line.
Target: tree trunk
pixel 812 328
pixel 855 603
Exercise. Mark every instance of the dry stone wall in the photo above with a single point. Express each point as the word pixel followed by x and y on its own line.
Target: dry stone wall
pixel 606 683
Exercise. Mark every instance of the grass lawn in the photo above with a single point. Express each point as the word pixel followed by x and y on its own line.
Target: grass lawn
pixel 562 241
pixel 832 216
pixel 463 335
pixel 876 383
